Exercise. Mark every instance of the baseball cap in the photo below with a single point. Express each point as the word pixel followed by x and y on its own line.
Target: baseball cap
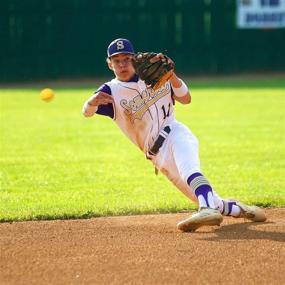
pixel 120 46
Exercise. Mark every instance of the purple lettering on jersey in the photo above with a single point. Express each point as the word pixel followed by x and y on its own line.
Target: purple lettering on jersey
pixel 105 110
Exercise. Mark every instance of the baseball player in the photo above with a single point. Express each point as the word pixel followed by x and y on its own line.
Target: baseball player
pixel 147 118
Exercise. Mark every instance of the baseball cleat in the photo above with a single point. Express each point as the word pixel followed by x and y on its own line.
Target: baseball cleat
pixel 204 217
pixel 252 213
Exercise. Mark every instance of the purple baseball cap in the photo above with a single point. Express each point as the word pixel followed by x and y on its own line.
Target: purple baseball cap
pixel 120 46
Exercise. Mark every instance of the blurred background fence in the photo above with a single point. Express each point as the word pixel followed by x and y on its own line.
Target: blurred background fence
pixel 48 39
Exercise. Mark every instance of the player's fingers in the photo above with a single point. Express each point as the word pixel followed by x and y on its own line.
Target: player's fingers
pixel 154 59
pixel 169 60
pixel 104 103
pixel 161 56
pixel 104 96
pixel 107 100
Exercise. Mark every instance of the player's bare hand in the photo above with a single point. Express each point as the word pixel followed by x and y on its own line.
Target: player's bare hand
pixel 161 56
pixel 164 58
pixel 101 98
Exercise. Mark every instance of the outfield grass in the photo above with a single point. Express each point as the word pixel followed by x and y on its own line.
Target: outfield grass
pixel 57 164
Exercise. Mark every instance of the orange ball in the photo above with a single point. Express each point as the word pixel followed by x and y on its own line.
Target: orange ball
pixel 47 94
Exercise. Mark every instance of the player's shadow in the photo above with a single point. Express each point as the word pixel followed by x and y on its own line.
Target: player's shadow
pixel 249 231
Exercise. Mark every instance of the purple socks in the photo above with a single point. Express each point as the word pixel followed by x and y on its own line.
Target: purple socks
pixel 202 189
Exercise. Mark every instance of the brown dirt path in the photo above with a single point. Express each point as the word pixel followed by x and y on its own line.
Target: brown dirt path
pixel 143 250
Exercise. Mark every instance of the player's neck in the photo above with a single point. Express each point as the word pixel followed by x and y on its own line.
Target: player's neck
pixel 133 78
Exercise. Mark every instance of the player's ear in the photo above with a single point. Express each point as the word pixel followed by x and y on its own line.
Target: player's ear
pixel 109 62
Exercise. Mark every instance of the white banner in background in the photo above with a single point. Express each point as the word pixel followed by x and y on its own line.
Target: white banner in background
pixel 260 14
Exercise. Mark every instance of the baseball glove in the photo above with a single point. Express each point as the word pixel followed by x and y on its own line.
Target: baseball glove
pixel 154 70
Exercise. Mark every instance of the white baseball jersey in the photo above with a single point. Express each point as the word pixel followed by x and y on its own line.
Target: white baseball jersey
pixel 139 111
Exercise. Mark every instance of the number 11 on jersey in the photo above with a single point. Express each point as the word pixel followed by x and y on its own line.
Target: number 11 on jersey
pixel 164 111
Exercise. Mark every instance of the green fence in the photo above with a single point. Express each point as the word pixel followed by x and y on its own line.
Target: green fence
pixel 43 39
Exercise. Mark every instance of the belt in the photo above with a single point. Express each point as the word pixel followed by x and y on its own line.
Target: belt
pixel 160 140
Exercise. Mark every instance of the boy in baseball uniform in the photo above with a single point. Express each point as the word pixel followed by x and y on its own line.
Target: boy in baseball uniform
pixel 147 118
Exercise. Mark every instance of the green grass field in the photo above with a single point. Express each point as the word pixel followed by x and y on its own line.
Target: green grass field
pixel 57 164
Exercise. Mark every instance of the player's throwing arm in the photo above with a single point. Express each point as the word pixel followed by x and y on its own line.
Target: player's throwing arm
pixel 91 106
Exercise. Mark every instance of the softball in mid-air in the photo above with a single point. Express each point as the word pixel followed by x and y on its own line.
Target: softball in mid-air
pixel 47 94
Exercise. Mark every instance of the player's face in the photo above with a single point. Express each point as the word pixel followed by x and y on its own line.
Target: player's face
pixel 122 66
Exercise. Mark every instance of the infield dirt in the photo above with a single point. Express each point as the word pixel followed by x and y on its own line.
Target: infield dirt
pixel 143 250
